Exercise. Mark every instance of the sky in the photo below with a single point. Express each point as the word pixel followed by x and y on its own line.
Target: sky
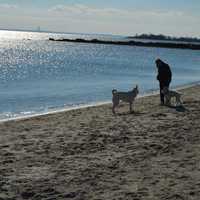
pixel 119 17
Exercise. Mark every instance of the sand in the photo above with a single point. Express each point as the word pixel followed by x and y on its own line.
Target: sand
pixel 90 153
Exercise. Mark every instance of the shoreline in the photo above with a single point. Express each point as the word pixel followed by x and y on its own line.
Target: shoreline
pixel 95 104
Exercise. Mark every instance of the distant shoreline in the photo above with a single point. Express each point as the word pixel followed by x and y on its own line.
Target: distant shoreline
pixel 133 43
pixel 165 38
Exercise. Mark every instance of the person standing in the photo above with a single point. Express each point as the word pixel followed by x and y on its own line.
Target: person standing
pixel 164 77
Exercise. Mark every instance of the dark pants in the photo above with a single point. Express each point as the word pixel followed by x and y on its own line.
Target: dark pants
pixel 162 85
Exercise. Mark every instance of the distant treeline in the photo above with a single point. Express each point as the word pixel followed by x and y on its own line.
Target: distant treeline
pixel 164 37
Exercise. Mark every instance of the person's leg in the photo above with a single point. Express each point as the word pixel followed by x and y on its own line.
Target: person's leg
pixel 161 94
pixel 165 85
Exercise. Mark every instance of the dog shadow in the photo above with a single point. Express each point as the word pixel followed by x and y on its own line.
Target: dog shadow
pixel 135 113
pixel 179 108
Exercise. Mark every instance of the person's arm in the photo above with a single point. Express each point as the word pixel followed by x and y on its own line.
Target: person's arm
pixel 169 74
pixel 158 75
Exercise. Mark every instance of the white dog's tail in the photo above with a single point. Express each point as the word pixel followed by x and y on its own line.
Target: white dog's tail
pixel 114 91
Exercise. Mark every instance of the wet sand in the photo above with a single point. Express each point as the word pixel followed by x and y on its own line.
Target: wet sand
pixel 90 153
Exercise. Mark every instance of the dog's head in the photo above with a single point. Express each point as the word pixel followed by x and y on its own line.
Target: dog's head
pixel 136 90
pixel 165 90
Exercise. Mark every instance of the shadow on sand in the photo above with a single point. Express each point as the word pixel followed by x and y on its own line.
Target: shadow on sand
pixel 180 108
pixel 130 113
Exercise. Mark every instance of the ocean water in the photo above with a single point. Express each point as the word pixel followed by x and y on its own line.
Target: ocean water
pixel 37 75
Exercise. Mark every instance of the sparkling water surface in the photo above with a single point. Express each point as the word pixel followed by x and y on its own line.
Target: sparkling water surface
pixel 37 75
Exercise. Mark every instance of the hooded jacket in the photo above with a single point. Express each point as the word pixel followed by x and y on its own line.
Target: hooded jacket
pixel 164 73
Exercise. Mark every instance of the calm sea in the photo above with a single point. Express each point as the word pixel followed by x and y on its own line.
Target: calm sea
pixel 37 75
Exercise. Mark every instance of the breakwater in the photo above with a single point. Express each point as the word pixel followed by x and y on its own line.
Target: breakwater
pixel 134 43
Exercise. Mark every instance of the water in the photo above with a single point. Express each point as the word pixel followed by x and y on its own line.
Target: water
pixel 38 75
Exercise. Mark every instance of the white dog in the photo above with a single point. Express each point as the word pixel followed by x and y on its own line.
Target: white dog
pixel 170 94
pixel 128 97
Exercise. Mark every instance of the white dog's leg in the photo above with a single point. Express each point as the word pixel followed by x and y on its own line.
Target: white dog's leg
pixel 113 109
pixel 167 100
pixel 115 104
pixel 178 100
pixel 130 107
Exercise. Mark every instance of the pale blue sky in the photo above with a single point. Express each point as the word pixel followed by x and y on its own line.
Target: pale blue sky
pixel 127 17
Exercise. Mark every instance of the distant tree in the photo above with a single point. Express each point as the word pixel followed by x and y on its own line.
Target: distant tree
pixel 151 36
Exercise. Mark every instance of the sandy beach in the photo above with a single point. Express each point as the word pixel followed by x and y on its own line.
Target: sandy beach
pixel 90 153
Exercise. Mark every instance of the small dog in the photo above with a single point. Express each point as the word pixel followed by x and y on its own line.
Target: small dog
pixel 128 97
pixel 170 94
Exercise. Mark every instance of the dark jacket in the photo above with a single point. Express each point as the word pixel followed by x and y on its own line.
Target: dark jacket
pixel 164 73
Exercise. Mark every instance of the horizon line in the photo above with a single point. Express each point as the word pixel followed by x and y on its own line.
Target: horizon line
pixel 84 33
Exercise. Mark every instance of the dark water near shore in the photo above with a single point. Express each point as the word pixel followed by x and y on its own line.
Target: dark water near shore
pixel 38 75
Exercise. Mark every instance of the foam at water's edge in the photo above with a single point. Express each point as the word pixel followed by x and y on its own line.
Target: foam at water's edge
pixel 152 93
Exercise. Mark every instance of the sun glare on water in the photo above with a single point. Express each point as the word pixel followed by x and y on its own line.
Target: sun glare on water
pixel 12 35
pixel 21 35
